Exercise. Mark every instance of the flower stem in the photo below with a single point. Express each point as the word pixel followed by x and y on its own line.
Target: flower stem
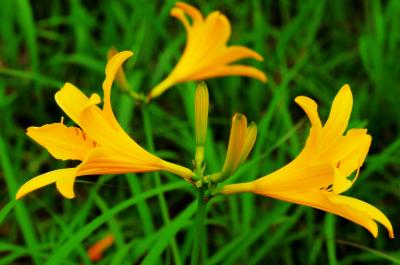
pixel 160 88
pixel 199 228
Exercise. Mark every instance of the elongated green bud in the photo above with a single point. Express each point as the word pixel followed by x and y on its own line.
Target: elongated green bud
pixel 201 113
pixel 236 141
pixel 201 118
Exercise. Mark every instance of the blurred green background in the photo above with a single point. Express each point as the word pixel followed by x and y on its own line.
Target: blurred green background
pixel 310 48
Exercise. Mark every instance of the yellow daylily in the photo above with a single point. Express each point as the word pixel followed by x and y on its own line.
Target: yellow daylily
pixel 100 142
pixel 318 175
pixel 206 53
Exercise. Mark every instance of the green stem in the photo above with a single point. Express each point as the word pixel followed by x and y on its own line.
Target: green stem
pixel 161 197
pixel 199 228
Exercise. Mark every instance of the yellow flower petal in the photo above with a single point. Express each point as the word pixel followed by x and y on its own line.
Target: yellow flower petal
pixel 341 183
pixel 363 207
pixel 103 160
pixel 65 184
pixel 311 109
pixel 355 144
pixel 96 125
pixel 291 179
pixel 328 202
pixel 193 12
pixel 229 55
pixel 179 14
pixel 218 28
pixel 112 68
pixel 235 53
pixel 61 141
pixel 339 115
pixel 72 101
pixel 355 159
pixel 65 175
pixel 230 70
pixel 120 77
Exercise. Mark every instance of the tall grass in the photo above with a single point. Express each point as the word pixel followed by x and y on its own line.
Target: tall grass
pixel 310 48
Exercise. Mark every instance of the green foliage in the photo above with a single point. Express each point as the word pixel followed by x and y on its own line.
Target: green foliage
pixel 310 48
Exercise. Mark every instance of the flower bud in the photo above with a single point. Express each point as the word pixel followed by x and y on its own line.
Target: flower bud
pixel 249 141
pixel 236 141
pixel 201 118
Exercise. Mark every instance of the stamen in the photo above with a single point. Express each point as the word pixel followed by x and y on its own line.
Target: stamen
pixel 329 188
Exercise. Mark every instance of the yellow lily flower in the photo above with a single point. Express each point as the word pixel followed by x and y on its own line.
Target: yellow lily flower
pixel 100 142
pixel 206 53
pixel 320 173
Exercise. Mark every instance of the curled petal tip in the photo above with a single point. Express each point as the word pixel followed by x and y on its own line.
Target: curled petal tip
pixel 299 99
pixel 345 90
pixel 176 12
pixel 123 54
pixel 303 99
pixel 346 86
pixel 264 78
pixel 130 53
pixel 258 57
pixel 65 185
pixel 19 195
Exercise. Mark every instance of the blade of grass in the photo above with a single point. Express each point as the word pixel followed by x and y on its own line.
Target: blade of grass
pixel 126 114
pixel 112 222
pixel 41 79
pixel 236 247
pixel 329 230
pixel 161 198
pixel 6 209
pixel 65 249
pixel 27 24
pixel 168 233
pixel 378 253
pixel 20 209
pixel 276 238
